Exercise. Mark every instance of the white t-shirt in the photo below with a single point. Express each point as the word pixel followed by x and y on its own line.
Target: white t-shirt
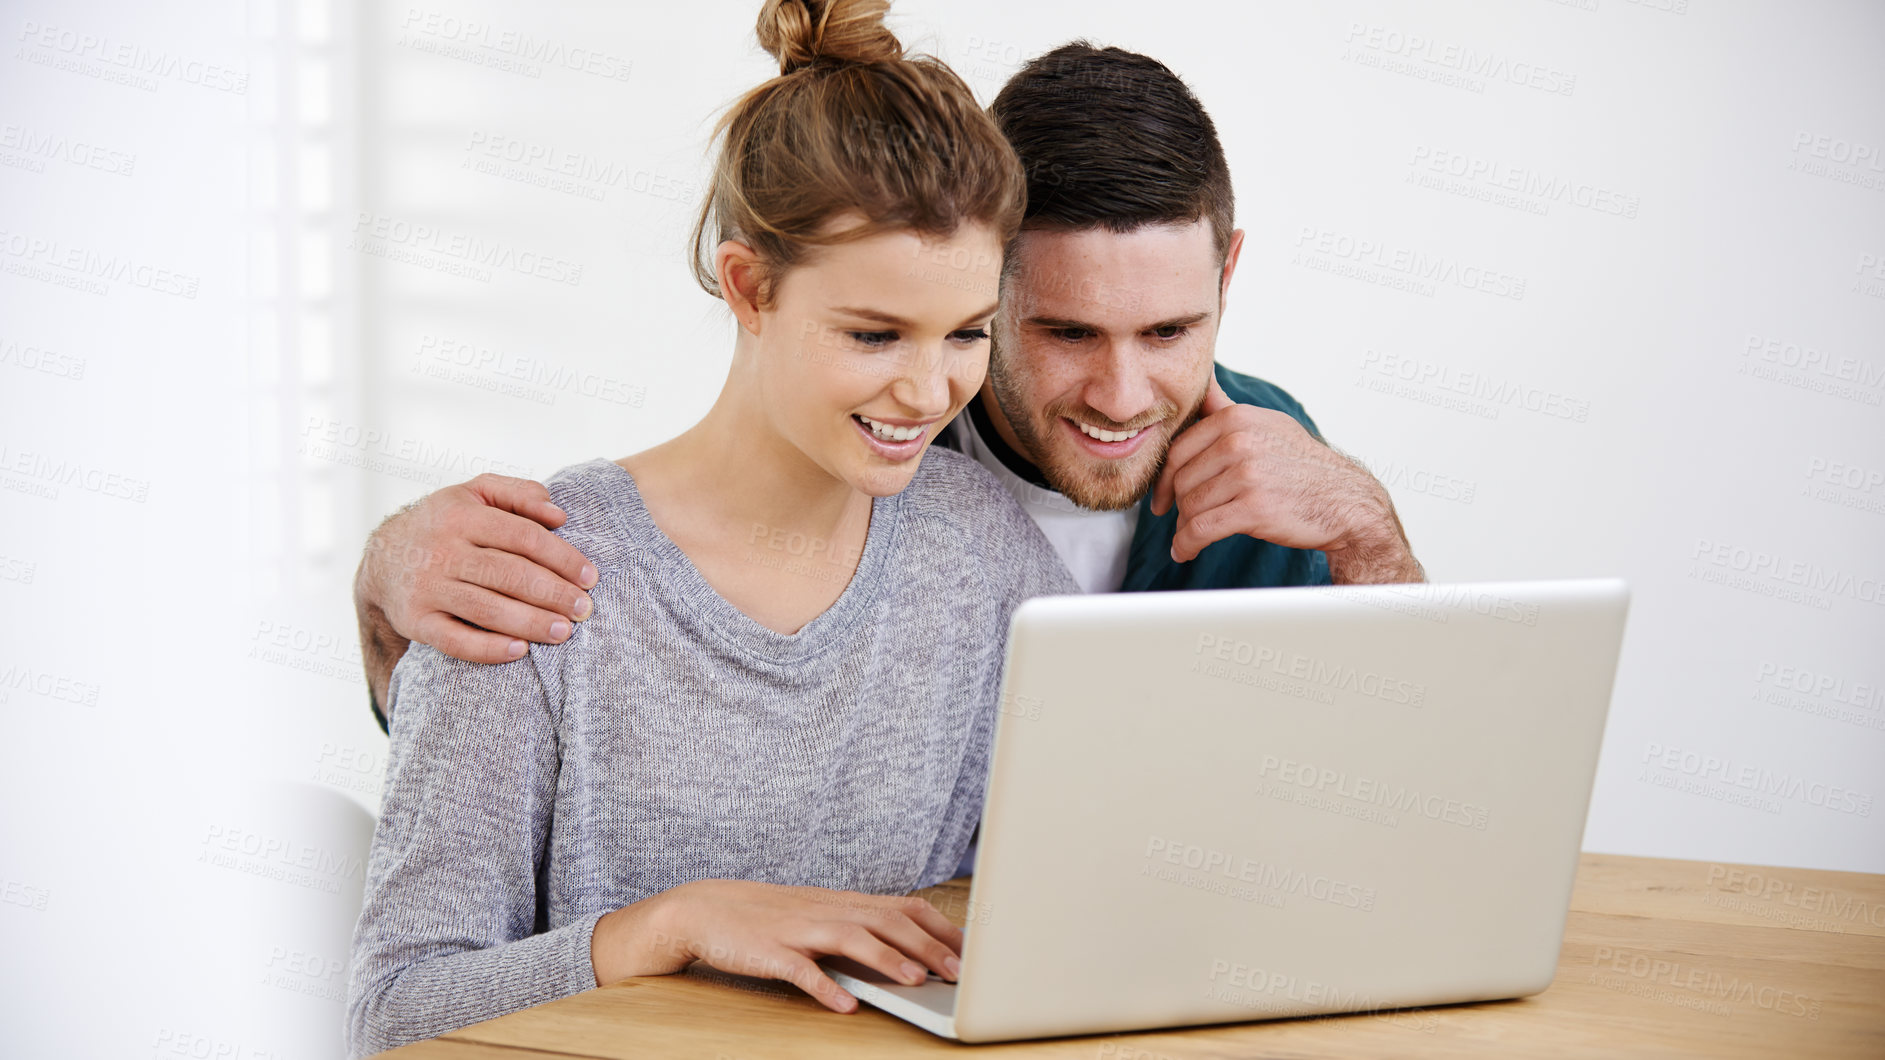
pixel 1092 544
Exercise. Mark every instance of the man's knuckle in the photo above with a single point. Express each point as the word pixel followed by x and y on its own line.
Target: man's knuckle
pixel 520 537
pixel 475 608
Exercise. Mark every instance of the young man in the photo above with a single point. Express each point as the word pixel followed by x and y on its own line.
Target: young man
pixel 1148 465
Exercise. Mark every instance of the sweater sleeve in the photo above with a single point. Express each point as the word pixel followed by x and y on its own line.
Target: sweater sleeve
pixel 445 936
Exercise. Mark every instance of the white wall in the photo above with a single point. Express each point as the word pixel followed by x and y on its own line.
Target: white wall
pixel 214 379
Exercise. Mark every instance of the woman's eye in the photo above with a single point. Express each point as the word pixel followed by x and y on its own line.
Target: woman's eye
pixel 874 339
pixel 970 335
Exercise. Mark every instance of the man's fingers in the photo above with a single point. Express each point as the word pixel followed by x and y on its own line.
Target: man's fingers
pixel 518 578
pixel 1190 442
pixel 1224 487
pixel 460 641
pixel 1215 400
pixel 499 613
pixel 525 497
pixel 1224 456
pixel 508 533
pixel 1197 532
pixel 1185 448
pixel 1204 506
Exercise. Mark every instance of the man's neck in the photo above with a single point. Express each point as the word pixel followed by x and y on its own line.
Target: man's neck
pixel 998 435
pixel 991 409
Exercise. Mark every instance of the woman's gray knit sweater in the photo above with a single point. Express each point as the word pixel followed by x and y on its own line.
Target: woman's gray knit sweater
pixel 672 738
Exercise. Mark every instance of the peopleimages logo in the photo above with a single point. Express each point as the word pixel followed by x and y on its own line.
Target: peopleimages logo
pixel 40 145
pixel 1653 969
pixel 130 59
pixel 1775 571
pixel 1216 869
pixel 1803 367
pixel 1823 695
pixel 85 263
pixel 350 443
pixel 380 234
pixel 1838 159
pixel 1341 254
pixel 1821 902
pixel 39 359
pixel 1757 781
pixel 1816 683
pixel 50 472
pixel 526 376
pixel 1485 395
pixel 1532 188
pixel 1340 677
pixel 1256 990
pixel 1401 797
pixel 1410 52
pixel 17 678
pixel 436 30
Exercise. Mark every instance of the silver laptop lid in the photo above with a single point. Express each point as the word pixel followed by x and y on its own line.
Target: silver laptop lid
pixel 1237 804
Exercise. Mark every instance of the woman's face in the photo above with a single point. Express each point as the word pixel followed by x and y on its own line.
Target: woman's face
pixel 870 347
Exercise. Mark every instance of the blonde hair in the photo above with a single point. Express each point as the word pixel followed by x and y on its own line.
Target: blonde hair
pixel 850 124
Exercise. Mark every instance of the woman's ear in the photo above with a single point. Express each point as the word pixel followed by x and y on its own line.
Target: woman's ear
pixel 739 271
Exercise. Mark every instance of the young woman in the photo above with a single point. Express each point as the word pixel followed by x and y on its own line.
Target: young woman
pixel 778 718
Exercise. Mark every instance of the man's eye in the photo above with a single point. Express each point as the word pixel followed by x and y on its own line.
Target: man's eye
pixel 1071 334
pixel 1169 331
pixel 970 335
pixel 873 339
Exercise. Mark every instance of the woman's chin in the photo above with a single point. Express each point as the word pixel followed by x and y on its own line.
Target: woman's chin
pixel 885 480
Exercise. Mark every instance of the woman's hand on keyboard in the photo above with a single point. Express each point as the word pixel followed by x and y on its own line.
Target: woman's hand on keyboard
pixel 777 932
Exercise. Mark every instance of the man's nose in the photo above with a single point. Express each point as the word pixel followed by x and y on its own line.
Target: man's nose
pixel 1117 386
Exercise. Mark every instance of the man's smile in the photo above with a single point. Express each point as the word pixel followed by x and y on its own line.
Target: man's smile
pixel 1108 444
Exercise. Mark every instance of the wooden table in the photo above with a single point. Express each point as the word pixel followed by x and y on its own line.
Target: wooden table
pixel 1661 958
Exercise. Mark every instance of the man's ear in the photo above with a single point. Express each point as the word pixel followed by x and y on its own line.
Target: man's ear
pixel 739 270
pixel 1230 265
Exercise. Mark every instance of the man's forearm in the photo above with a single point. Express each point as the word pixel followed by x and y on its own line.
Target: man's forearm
pixel 1352 566
pixel 1379 558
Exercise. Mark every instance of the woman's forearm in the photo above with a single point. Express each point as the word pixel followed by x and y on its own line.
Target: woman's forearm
pixel 635 940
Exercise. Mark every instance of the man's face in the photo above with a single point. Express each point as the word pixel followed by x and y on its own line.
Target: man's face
pixel 1103 352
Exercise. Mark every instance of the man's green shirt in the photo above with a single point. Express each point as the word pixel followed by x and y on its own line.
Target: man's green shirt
pixel 1237 562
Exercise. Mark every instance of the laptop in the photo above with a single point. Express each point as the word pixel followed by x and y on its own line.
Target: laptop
pixel 1230 805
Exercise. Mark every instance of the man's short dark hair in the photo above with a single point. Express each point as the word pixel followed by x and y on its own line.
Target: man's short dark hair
pixel 1113 139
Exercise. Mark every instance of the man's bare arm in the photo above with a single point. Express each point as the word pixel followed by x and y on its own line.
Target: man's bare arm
pixel 1241 469
pixel 1378 557
pixel 472 570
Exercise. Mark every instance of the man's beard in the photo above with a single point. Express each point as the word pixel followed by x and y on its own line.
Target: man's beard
pixel 1105 486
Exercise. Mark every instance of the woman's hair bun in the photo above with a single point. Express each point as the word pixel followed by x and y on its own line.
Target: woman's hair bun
pixel 801 33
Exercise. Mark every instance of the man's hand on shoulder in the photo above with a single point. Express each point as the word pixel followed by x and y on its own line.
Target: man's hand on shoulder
pixel 472 570
pixel 1242 469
